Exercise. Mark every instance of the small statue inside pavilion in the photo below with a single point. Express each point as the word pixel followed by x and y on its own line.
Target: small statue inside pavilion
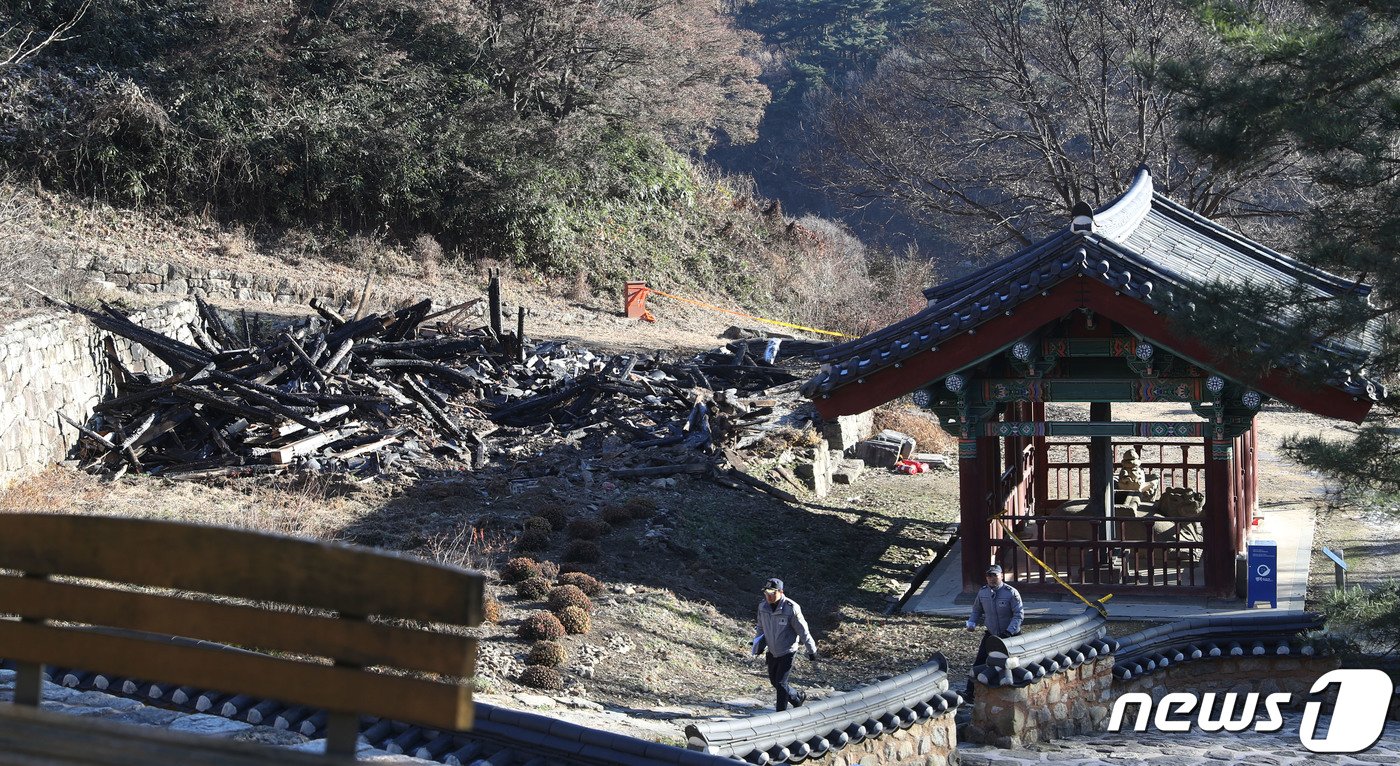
pixel 1132 479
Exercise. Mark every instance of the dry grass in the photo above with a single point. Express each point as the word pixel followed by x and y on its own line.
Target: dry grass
pixel 235 243
pixel 820 275
pixel 310 506
pixel 33 255
pixel 53 490
pixel 428 253
pixel 908 419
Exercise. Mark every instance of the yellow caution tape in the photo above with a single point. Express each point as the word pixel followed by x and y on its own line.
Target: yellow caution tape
pixel 747 316
pixel 1097 605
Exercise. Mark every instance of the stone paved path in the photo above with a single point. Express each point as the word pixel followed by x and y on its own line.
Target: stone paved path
pixel 1194 748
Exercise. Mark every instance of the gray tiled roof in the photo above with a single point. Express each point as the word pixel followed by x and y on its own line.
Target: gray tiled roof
pixel 1143 245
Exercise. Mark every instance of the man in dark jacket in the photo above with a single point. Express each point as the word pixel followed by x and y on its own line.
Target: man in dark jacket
pixel 999 604
pixel 784 630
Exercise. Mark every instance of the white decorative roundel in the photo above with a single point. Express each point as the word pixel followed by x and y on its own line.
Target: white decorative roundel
pixel 1215 384
pixel 1145 351
pixel 922 397
pixel 1022 351
pixel 955 382
pixel 1252 399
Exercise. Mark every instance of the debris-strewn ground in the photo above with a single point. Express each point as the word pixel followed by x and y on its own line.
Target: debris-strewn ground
pixel 682 567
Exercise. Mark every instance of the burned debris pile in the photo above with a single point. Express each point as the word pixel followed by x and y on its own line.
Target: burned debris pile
pixel 361 394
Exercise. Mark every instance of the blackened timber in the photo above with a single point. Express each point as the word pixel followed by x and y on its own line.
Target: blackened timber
pixel 663 470
pixel 201 338
pixel 416 393
pixel 305 359
pixel 251 387
pixel 623 425
pixel 217 329
pixel 354 330
pixel 408 319
pixel 272 405
pixel 493 292
pixel 135 397
pixel 178 355
pixel 335 319
pixel 422 347
pixel 213 434
pixel 440 371
pixel 535 403
pixel 452 309
pixel 520 335
pixel 136 433
pixel 88 432
pixel 226 405
pixel 169 422
pixel 340 354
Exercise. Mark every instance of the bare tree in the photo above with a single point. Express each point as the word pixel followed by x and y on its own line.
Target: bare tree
pixel 30 42
pixel 1001 114
pixel 675 66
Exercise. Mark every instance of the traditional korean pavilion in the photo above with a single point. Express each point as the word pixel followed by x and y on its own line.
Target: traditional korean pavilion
pixel 1092 315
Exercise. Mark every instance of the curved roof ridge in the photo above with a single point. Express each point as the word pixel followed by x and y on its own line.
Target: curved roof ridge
pixel 1121 217
pixel 1282 261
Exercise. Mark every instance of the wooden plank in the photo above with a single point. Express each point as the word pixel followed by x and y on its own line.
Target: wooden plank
pixel 363 448
pixel 242 564
pixel 283 455
pixel 30 737
pixel 368 644
pixel 287 429
pixel 342 690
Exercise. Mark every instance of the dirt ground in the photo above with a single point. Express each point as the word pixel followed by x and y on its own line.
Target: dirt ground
pixel 670 635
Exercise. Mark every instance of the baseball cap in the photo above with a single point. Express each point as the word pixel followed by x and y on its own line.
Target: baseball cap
pixel 773 582
pixel 994 569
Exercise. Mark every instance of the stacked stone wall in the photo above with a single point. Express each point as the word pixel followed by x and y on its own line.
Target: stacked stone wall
pixel 1075 701
pixel 56 363
pixel 931 742
pixel 214 283
pixel 1265 675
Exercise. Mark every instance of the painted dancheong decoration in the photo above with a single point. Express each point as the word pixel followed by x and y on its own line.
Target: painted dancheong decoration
pixel 1096 314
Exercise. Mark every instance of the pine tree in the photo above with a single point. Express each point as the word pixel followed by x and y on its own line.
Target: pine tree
pixel 1323 81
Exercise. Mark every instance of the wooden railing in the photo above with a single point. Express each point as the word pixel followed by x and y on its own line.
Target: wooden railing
pixel 1099 550
pixel 1015 493
pixel 1178 463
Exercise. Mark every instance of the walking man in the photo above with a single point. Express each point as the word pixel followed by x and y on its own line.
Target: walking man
pixel 784 630
pixel 999 604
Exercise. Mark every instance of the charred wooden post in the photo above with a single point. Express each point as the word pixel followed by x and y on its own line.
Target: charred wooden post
pixel 493 293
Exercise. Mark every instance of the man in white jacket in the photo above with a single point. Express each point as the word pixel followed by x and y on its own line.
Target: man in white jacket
pixel 784 630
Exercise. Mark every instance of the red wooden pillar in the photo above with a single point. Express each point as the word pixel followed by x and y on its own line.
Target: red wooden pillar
pixel 977 475
pixel 1253 480
pixel 1042 455
pixel 1219 511
pixel 1237 514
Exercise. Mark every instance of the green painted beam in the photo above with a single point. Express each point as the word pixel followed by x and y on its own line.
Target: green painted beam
pixel 1177 430
pixel 1126 389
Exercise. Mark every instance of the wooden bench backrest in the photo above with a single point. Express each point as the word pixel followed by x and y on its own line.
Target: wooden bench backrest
pixel 352 583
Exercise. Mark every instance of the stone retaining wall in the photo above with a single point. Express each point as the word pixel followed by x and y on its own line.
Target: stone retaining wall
pixel 1075 701
pixel 55 363
pixel 214 283
pixel 1265 675
pixel 931 742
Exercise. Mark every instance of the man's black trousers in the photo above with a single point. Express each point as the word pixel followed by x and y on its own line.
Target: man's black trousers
pixel 778 670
